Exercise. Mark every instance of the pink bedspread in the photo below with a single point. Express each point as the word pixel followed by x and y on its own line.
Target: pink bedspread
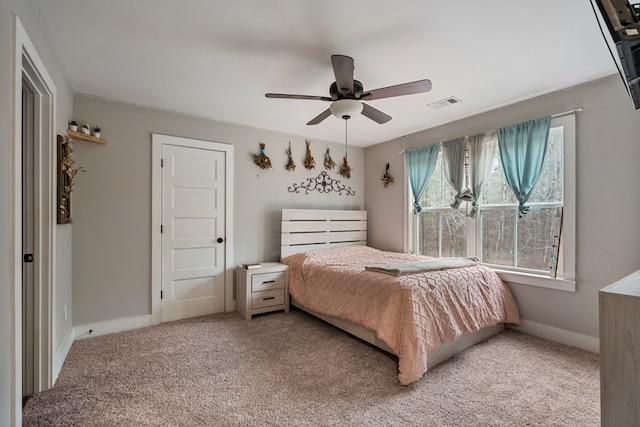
pixel 412 314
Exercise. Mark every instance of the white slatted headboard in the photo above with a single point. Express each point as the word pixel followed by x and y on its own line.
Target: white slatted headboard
pixel 308 229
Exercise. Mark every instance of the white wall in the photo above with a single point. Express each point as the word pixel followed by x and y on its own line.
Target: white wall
pixel 608 230
pixel 30 20
pixel 111 205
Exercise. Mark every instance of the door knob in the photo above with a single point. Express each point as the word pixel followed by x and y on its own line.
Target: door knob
pixel 220 240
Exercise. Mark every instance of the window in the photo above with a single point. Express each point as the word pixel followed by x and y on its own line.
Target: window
pixel 498 236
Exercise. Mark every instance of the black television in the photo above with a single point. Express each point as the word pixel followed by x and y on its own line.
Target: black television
pixel 623 23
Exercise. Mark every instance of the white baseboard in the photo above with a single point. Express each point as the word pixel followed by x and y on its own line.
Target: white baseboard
pixel 111 326
pixel 61 356
pixel 561 336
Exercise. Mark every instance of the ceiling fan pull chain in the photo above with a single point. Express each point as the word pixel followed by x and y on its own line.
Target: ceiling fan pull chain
pixel 345 169
pixel 345 138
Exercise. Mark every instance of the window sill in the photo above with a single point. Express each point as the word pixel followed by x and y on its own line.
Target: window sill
pixel 535 280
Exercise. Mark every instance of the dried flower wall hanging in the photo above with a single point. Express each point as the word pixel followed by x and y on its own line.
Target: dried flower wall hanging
pixel 66 174
pixel 345 169
pixel 386 178
pixel 262 159
pixel 291 165
pixel 328 161
pixel 68 162
pixel 309 162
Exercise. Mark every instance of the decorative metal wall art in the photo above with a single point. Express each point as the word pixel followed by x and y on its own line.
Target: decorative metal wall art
pixel 309 162
pixel 291 165
pixel 261 159
pixel 386 178
pixel 328 161
pixel 323 183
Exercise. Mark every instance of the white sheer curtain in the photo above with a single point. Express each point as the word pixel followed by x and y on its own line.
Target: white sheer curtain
pixel 453 153
pixel 482 148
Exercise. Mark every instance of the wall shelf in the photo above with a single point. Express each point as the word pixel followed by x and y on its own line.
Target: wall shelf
pixel 84 137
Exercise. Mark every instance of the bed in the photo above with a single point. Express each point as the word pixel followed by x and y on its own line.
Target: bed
pixel 423 314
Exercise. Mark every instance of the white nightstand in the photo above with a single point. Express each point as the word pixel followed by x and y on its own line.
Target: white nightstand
pixel 264 289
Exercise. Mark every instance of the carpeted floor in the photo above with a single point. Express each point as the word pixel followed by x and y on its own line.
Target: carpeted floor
pixel 294 370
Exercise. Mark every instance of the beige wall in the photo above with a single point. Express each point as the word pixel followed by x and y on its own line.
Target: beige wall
pixel 112 200
pixel 30 20
pixel 608 230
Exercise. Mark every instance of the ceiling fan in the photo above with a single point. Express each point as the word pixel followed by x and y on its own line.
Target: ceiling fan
pixel 347 94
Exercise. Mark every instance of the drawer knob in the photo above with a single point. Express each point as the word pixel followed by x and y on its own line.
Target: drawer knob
pixel 268 298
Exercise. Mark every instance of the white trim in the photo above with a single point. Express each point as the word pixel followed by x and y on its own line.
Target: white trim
pixel 519 278
pixel 406 224
pixel 44 139
pixel 63 352
pixel 158 141
pixel 558 335
pixel 156 238
pixel 568 237
pixel 111 326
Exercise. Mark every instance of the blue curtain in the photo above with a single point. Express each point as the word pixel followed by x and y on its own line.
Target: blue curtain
pixel 522 149
pixel 421 162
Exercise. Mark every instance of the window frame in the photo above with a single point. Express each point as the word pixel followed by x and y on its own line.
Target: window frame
pixel 566 277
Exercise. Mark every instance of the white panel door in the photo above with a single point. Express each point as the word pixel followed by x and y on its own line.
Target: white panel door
pixel 193 224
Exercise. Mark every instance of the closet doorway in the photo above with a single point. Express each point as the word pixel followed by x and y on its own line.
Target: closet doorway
pixel 28 315
pixel 32 219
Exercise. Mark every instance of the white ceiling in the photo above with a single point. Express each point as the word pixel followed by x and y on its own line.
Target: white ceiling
pixel 217 59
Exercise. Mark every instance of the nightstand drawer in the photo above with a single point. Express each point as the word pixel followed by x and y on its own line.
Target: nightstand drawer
pixel 266 281
pixel 267 298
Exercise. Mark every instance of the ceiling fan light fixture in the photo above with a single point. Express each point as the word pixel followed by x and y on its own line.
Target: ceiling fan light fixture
pixel 346 94
pixel 346 108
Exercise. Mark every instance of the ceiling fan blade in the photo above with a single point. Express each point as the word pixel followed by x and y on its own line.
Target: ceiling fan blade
pixel 287 96
pixel 375 114
pixel 320 117
pixel 343 70
pixel 410 88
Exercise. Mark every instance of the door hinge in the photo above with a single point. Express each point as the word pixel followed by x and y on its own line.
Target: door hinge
pixel 161 163
pixel 160 294
pixel 161 228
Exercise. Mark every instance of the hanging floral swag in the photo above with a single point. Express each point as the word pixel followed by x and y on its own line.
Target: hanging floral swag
pixel 291 165
pixel 329 164
pixel 309 161
pixel 261 159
